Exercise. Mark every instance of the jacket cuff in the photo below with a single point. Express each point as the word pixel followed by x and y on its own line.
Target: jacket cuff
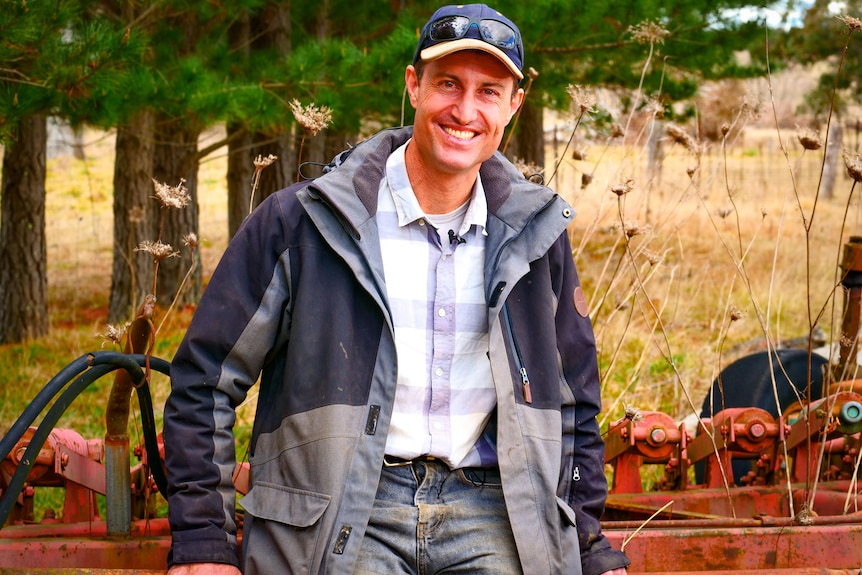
pixel 602 558
pixel 189 550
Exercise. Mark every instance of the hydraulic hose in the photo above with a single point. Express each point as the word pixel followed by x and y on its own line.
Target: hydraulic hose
pixel 101 363
pixel 42 399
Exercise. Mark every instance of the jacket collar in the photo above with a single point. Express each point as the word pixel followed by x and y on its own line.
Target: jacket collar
pixel 510 198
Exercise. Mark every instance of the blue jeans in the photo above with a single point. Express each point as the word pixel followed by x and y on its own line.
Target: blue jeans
pixel 428 519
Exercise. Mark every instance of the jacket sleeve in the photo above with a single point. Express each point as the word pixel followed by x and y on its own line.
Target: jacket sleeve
pixel 220 358
pixel 585 490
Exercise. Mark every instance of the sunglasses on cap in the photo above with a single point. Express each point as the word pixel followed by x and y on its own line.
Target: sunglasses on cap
pixel 493 32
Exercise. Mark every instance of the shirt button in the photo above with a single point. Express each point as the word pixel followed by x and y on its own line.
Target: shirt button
pixel 438 371
pixel 441 312
pixel 438 425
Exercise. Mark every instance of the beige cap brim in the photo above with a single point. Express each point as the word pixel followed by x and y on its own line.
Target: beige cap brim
pixel 445 48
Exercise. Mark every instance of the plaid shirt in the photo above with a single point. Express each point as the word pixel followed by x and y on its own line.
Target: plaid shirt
pixel 445 392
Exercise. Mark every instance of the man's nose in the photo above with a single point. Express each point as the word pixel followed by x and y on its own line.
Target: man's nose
pixel 466 108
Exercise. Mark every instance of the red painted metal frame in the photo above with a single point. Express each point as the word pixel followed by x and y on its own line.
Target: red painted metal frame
pixel 682 529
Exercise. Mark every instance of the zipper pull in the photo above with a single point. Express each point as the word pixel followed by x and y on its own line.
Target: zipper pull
pixel 528 396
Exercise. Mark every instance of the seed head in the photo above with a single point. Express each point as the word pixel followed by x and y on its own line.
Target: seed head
pixel 579 153
pixel 114 333
pixel 854 166
pixel 172 196
pixel 191 240
pixel 260 162
pixel 581 98
pixel 157 249
pixel 854 24
pixel 632 229
pixel 136 214
pixel 648 32
pixel 736 313
pixel 311 118
pixel 586 180
pixel 652 257
pixel 680 136
pixel 532 73
pixel 617 130
pixel 623 188
pixel 654 108
pixel 809 139
pixel 632 413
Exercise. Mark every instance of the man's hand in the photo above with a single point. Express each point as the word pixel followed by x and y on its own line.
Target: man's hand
pixel 204 569
pixel 620 571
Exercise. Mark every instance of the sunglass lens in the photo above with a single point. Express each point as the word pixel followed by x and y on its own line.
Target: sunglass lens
pixel 450 28
pixel 498 34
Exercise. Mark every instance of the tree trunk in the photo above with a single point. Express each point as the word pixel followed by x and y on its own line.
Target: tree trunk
pixel 174 158
pixel 23 247
pixel 132 275
pixel 528 141
pixel 281 173
pixel 239 158
pixel 240 168
pixel 273 31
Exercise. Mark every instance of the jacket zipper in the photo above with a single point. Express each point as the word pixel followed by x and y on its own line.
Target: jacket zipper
pixel 519 359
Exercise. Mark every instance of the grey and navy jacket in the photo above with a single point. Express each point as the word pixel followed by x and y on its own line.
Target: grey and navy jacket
pixel 299 301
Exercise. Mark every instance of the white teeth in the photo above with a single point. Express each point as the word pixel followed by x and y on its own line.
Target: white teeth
pixel 460 134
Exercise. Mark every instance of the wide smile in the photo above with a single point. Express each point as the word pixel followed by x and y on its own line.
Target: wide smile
pixel 463 135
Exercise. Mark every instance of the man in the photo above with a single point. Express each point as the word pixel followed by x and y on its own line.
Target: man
pixel 428 379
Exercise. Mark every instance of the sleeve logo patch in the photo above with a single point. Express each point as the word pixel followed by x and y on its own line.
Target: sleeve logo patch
pixel 581 305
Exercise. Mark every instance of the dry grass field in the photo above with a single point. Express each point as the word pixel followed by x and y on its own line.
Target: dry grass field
pixel 685 270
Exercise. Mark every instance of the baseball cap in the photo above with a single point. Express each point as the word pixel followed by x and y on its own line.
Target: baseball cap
pixel 471 27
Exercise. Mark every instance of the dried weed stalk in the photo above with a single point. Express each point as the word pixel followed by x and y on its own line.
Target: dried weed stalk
pixel 259 164
pixel 311 119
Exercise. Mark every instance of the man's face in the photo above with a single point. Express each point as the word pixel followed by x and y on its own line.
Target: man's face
pixel 463 103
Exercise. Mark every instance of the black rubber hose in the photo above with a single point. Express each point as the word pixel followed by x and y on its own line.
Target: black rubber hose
pixel 42 399
pixel 102 363
pixel 7 502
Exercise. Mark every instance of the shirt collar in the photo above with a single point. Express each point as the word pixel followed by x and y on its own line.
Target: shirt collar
pixel 407 206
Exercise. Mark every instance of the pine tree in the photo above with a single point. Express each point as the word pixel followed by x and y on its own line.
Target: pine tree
pixel 54 62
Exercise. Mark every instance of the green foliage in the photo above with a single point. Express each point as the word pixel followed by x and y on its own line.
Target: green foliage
pixel 605 45
pixel 97 63
pixel 825 37
pixel 57 60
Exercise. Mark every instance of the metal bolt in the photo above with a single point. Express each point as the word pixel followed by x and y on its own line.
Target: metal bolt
pixel 657 436
pixel 64 459
pixel 756 430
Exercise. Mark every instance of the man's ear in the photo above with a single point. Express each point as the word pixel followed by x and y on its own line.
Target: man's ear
pixel 517 100
pixel 411 79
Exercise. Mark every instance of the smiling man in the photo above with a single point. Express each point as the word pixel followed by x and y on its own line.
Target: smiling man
pixel 428 377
